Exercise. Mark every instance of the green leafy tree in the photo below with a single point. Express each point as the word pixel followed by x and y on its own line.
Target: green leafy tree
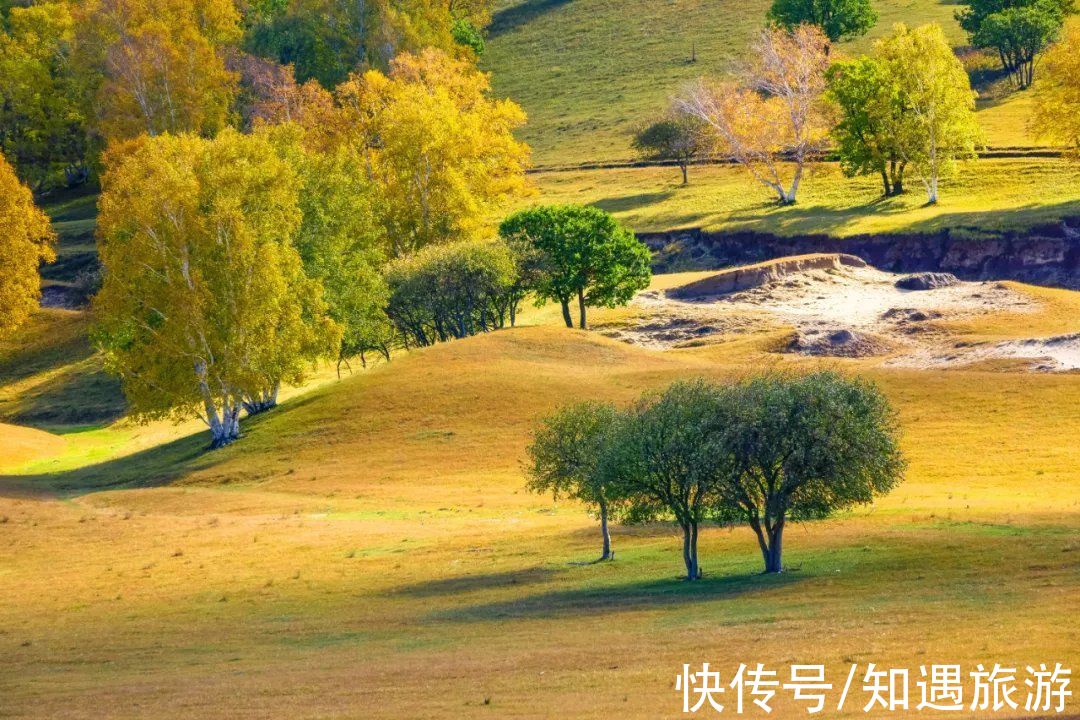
pixel 585 254
pixel 873 125
pixel 1018 30
pixel 678 138
pixel 802 448
pixel 205 307
pixel 838 19
pixel 450 291
pixel 939 104
pixel 566 454
pixel 660 461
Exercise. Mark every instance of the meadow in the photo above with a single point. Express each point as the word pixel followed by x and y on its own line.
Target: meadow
pixel 588 72
pixel 369 549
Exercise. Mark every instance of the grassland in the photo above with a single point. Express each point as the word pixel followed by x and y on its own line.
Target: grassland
pixel 588 71
pixel 985 194
pixel 368 550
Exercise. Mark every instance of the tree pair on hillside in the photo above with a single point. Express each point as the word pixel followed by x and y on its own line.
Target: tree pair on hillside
pixel 910 107
pixel 763 452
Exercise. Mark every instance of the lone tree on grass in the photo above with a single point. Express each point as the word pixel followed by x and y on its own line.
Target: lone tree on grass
pixel 804 448
pixel 1017 30
pixel 565 456
pixel 585 254
pixel 838 19
pixel 677 138
pixel 774 118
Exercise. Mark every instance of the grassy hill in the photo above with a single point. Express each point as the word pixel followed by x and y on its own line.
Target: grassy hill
pixel 368 550
pixel 586 71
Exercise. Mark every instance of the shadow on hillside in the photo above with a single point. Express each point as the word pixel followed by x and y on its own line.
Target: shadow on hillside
pixel 472 583
pixel 629 596
pixel 626 203
pixel 159 465
pixel 515 16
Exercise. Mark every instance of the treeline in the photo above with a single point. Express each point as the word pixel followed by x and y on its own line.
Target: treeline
pixel 906 109
pixel 77 75
pixel 764 452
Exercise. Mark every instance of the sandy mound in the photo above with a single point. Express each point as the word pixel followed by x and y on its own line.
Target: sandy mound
pixel 840 307
pixel 839 343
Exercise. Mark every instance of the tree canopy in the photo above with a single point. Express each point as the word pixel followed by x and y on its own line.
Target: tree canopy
pixel 26 240
pixel 838 19
pixel 1057 94
pixel 584 253
pixel 217 311
pixel 1017 30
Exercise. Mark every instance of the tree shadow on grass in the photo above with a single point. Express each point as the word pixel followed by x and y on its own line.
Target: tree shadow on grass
pixel 606 599
pixel 481 581
pixel 514 16
pixel 626 203
pixel 162 464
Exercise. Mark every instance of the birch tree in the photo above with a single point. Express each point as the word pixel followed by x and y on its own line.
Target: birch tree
pixel 204 308
pixel 773 120
pixel 938 102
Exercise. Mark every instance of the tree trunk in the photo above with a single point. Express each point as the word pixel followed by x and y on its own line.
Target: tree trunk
pixel 885 182
pixel 606 554
pixel 581 309
pixel 773 558
pixel 566 313
pixel 690 535
pixel 685 177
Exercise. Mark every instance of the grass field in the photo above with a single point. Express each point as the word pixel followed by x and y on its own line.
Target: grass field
pixel 985 194
pixel 587 71
pixel 368 550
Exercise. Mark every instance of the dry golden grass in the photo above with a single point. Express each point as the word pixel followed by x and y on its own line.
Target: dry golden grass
pixel 368 551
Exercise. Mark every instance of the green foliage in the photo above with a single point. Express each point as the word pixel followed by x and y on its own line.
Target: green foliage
pixel 450 291
pixel 869 135
pixel 804 448
pixel 585 253
pixel 467 35
pixel 319 39
pixel 761 451
pixel 838 19
pixel 679 138
pixel 939 104
pixel 1018 30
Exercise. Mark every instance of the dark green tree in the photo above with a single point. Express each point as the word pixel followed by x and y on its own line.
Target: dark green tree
pixel 665 461
pixel 566 453
pixel 1018 30
pixel 804 448
pixel 838 19
pixel 679 138
pixel 869 135
pixel 585 253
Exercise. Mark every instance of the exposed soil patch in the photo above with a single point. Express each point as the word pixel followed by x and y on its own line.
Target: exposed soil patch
pixel 842 308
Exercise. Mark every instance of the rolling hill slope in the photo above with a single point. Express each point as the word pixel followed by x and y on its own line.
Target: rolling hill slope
pixel 586 71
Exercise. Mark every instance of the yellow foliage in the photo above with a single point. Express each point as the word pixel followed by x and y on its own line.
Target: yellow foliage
pixel 440 150
pixel 26 240
pixel 162 64
pixel 1057 92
